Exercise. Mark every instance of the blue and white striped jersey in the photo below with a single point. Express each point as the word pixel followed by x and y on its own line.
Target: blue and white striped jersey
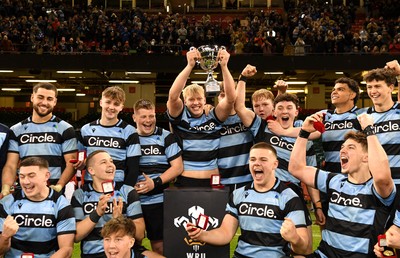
pixel 283 146
pixel 121 141
pixel 158 150
pixel 199 139
pixel 49 140
pixel 84 201
pixel 4 140
pixel 260 216
pixel 337 125
pixel 387 129
pixel 356 216
pixel 233 154
pixel 39 223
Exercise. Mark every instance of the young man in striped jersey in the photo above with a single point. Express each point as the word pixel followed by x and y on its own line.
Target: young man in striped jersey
pixel 95 203
pixel 198 133
pixel 114 135
pixel 43 135
pixel 36 219
pixel 386 112
pixel 360 198
pixel 236 139
pixel 160 163
pixel 286 110
pixel 337 123
pixel 270 215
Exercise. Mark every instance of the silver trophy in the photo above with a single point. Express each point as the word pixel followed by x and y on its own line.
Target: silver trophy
pixel 209 62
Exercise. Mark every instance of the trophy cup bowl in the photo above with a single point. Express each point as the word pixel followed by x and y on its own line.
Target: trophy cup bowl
pixel 209 62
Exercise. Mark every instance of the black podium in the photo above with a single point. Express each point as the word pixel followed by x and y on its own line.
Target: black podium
pixel 182 205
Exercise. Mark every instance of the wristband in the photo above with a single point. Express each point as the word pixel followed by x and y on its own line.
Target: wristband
pixel 242 78
pixel 304 134
pixel 157 181
pixel 369 130
pixel 94 217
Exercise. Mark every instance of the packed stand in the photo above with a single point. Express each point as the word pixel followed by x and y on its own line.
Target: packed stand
pixel 310 27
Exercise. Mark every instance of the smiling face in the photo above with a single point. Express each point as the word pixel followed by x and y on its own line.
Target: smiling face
pixel 145 120
pixel 285 113
pixel 101 167
pixel 195 103
pixel 33 180
pixel 380 93
pixel 262 164
pixel 117 245
pixel 110 109
pixel 342 95
pixel 43 102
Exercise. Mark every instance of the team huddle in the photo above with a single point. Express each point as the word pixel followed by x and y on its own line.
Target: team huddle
pixel 263 155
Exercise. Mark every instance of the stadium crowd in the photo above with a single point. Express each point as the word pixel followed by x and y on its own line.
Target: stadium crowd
pixel 309 27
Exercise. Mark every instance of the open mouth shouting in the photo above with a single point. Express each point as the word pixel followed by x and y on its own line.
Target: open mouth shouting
pixel 344 160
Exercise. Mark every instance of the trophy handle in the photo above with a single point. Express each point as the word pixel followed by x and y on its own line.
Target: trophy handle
pixel 197 60
pixel 221 48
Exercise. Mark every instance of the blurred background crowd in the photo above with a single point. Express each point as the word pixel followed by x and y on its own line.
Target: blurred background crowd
pixel 304 28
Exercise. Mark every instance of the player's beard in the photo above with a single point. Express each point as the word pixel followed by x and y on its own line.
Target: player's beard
pixel 42 114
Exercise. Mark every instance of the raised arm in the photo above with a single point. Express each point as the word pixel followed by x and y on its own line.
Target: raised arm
pixel 297 163
pixel 219 236
pixel 281 86
pixel 395 66
pixel 246 115
pixel 378 161
pixel 174 103
pixel 224 107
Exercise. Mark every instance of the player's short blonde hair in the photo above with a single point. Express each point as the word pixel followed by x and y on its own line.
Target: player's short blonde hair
pixel 191 90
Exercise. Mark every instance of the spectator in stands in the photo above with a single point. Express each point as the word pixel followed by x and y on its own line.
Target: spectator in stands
pixel 6 44
pixel 299 47
pixel 394 46
pixel 43 135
